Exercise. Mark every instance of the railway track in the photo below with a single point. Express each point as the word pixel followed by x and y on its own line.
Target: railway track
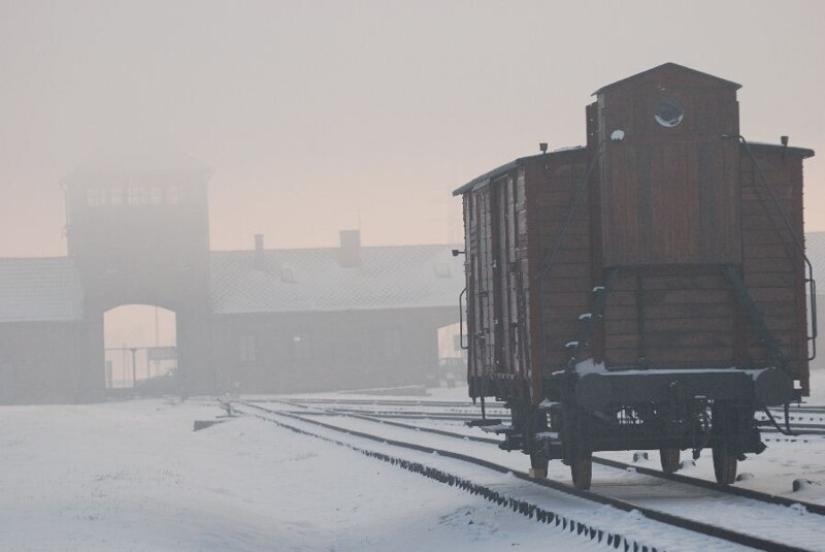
pixel 625 466
pixel 443 410
pixel 451 445
pixel 806 423
pixel 382 402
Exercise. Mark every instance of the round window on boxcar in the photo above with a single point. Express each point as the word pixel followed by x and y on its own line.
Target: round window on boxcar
pixel 669 112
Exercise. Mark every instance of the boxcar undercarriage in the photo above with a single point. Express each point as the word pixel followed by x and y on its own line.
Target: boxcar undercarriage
pixel 670 412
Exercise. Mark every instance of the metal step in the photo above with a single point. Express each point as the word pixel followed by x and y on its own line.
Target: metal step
pixel 484 423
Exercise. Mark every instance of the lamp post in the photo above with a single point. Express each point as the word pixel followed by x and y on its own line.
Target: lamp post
pixel 157 344
pixel 134 367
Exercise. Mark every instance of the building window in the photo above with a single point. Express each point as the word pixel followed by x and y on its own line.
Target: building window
pixel 116 195
pixel 247 348
pixel 392 342
pixel 300 345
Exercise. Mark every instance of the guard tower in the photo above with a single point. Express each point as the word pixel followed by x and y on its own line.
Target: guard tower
pixel 139 234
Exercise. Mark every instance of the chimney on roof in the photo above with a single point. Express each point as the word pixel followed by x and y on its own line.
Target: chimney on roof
pixel 350 254
pixel 259 251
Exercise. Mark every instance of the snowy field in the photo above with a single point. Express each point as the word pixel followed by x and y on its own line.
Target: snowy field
pixel 134 476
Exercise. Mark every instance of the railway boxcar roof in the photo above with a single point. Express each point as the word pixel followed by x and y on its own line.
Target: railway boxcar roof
pixel 802 152
pixel 498 171
pixel 664 66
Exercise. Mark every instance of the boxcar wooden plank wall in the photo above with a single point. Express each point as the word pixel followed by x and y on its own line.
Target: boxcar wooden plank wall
pixel 773 265
pixel 670 319
pixel 470 246
pixel 559 234
pixel 481 280
pixel 508 274
pixel 490 229
pixel 522 275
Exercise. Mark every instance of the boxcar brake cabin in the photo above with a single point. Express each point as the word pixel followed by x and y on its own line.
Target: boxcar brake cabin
pixel 646 291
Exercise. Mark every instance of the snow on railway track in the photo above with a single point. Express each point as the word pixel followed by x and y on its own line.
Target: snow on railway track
pixel 742 520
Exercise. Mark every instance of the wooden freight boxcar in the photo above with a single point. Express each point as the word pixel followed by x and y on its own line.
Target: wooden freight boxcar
pixel 646 291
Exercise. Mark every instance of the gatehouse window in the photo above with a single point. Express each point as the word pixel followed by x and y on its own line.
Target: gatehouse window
pixel 93 196
pixel 172 195
pixel 133 197
pixel 156 195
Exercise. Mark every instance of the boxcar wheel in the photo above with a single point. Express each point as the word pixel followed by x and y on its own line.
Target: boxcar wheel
pixel 724 464
pixel 582 470
pixel 670 460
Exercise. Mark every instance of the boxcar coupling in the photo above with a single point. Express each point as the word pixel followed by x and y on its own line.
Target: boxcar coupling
pixel 645 291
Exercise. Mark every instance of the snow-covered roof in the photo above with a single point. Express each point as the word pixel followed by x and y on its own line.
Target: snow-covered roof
pixel 40 290
pixel 304 280
pixel 290 280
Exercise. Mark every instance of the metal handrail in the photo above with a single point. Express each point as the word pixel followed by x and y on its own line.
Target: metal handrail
pixel 461 343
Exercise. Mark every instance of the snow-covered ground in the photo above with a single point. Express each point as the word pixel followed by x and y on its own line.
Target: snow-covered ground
pixel 134 476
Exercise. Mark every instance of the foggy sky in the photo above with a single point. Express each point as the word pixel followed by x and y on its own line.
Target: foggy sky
pixel 317 116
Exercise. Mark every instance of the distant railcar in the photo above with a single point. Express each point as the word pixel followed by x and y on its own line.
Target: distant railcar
pixel 645 291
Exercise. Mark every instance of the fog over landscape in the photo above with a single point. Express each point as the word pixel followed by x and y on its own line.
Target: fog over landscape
pixel 319 116
pixel 233 300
